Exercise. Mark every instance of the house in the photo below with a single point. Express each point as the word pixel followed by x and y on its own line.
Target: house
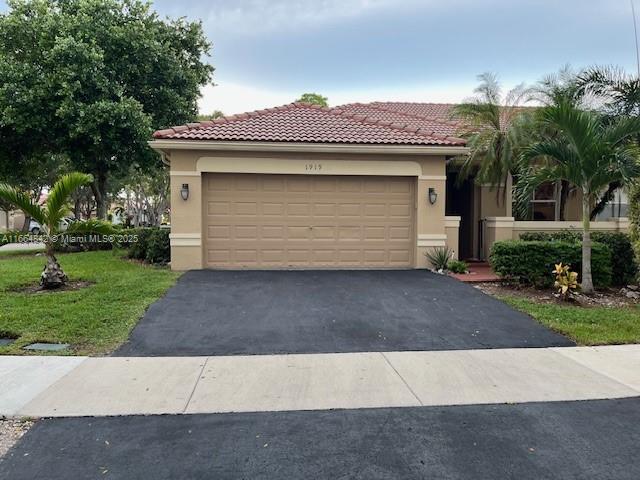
pixel 11 220
pixel 356 186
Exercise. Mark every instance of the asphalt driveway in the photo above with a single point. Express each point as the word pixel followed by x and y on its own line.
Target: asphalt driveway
pixel 565 440
pixel 268 312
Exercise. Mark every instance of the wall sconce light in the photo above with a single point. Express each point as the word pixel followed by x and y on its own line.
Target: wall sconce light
pixel 433 196
pixel 184 191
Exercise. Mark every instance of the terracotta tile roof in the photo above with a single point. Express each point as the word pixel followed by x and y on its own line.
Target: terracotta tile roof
pixel 301 122
pixel 434 117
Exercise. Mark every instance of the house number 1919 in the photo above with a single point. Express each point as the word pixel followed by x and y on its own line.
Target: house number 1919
pixel 313 167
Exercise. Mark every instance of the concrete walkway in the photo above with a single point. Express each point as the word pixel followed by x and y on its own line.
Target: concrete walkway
pixel 75 386
pixel 22 247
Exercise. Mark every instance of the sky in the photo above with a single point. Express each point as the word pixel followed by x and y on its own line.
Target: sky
pixel 268 52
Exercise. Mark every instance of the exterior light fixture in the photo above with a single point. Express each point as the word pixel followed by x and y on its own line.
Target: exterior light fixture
pixel 184 191
pixel 433 196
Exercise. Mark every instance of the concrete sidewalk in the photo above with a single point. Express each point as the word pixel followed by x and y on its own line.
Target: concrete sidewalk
pixel 177 385
pixel 22 247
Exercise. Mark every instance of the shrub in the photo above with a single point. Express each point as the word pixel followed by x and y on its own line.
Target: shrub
pixel 457 266
pixel 80 236
pixel 137 248
pixel 531 263
pixel 439 257
pixel 566 280
pixel 158 248
pixel 152 244
pixel 623 262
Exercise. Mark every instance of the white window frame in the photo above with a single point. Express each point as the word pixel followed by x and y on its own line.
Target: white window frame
pixel 555 201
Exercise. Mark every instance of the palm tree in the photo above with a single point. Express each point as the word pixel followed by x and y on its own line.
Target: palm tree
pixel 587 151
pixel 616 93
pixel 48 216
pixel 552 90
pixel 493 128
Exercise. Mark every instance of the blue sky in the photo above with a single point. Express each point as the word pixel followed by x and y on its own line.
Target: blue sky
pixel 267 52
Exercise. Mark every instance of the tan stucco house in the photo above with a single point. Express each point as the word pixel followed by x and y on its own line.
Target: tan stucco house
pixel 357 186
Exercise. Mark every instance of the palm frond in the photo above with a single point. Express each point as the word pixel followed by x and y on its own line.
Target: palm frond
pixel 623 129
pixel 60 193
pixel 23 201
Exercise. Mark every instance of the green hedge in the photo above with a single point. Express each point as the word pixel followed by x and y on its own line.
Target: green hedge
pixel 623 262
pixel 148 244
pixel 531 263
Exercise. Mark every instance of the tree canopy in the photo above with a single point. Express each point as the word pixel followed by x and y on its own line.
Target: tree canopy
pixel 92 79
pixel 314 98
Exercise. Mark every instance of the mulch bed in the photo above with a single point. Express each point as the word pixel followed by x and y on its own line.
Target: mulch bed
pixel 36 289
pixel 602 298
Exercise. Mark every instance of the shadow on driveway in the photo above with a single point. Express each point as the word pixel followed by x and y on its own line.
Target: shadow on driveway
pixel 269 312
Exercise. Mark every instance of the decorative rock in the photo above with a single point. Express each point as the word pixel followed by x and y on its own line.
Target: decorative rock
pixel 630 293
pixel 632 287
pixel 6 341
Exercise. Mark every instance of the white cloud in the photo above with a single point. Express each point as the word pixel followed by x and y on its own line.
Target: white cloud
pixel 236 98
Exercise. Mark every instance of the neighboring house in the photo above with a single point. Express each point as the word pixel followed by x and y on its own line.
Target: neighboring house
pixel 11 220
pixel 357 186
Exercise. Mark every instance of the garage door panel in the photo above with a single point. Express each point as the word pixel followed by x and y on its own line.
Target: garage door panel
pixel 299 210
pixel 350 210
pixel 218 208
pixel 288 221
pixel 324 210
pixel 272 232
pixel 400 210
pixel 399 233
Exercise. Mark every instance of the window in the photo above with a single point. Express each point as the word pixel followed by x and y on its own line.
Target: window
pixel 616 208
pixel 544 206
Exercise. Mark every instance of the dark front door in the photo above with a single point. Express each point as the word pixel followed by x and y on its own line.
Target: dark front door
pixel 459 202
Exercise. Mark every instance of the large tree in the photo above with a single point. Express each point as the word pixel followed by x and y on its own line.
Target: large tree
pixel 587 151
pixel 92 79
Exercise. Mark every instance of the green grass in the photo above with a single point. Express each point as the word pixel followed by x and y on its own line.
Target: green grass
pixel 95 319
pixel 585 325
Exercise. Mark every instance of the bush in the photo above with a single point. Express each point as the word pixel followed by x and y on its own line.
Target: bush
pixel 152 244
pixel 158 248
pixel 623 262
pixel 81 236
pixel 457 266
pixel 532 263
pixel 439 257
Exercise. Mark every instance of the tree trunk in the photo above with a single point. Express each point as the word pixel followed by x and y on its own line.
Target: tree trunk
pixel 587 281
pixel 52 276
pixel 607 197
pixel 564 195
pixel 99 189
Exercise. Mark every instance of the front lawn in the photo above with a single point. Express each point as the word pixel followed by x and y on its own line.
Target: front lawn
pixel 94 319
pixel 585 325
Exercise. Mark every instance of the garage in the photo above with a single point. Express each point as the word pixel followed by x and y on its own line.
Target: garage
pixel 306 221
pixel 307 187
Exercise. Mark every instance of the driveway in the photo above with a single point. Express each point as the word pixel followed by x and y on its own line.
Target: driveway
pixel 533 441
pixel 267 312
